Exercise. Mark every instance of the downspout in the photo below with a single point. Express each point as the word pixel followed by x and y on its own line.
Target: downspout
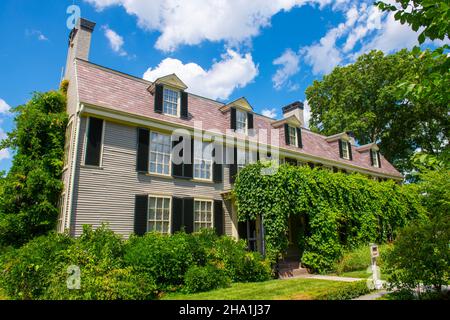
pixel 74 165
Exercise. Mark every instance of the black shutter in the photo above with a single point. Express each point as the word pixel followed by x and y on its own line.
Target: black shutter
pixel 371 158
pixel 188 214
pixel 249 120
pixel 177 169
pixel 350 150
pixel 340 149
pixel 177 214
pixel 143 148
pixel 184 105
pixel 286 134
pixel 233 167
pixel 233 119
pixel 188 171
pixel 159 92
pixel 218 217
pixel 217 167
pixel 299 138
pixel 379 159
pixel 140 214
pixel 311 165
pixel 94 142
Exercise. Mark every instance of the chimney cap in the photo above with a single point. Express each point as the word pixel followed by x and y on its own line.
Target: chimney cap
pixel 86 24
pixel 292 106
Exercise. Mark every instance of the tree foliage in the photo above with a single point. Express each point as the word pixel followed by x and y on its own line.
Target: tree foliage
pixel 31 189
pixel 399 101
pixel 342 211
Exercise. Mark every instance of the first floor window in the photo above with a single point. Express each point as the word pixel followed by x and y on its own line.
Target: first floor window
pixel 375 158
pixel 160 150
pixel 159 215
pixel 203 216
pixel 203 160
pixel 243 158
pixel 345 152
pixel 293 136
pixel 170 102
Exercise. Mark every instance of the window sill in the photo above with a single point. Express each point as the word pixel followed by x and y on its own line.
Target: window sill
pixel 150 174
pixel 87 166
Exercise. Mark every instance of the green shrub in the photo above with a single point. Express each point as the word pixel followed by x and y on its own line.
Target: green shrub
pixel 165 258
pixel 200 279
pixel 358 259
pixel 420 255
pixel 27 272
pixel 349 291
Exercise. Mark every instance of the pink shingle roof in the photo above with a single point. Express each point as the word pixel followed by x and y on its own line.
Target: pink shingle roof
pixel 106 88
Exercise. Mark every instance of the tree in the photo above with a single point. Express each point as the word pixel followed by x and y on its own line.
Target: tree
pixel 369 98
pixel 29 193
pixel 431 15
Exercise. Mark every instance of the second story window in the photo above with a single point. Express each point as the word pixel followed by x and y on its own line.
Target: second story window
pixel 375 158
pixel 160 150
pixel 345 149
pixel 292 136
pixel 241 121
pixel 203 161
pixel 171 101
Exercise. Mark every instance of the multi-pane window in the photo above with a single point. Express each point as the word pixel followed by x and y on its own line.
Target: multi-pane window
pixel 203 161
pixel 375 158
pixel 241 121
pixel 293 136
pixel 203 216
pixel 159 215
pixel 170 102
pixel 243 158
pixel 160 149
pixel 345 151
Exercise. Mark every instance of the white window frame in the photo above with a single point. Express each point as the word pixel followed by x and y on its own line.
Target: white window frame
pixel 239 165
pixel 212 213
pixel 244 123
pixel 88 120
pixel 202 159
pixel 163 154
pixel 345 149
pixel 68 144
pixel 177 115
pixel 292 142
pixel 156 197
pixel 376 163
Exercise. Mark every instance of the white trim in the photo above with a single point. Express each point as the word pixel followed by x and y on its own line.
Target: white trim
pixel 200 199
pixel 69 149
pixel 347 149
pixel 375 159
pixel 170 212
pixel 170 154
pixel 178 101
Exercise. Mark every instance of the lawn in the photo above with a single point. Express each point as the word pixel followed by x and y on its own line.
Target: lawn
pixel 292 289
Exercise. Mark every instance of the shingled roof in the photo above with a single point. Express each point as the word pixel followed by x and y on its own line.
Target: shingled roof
pixel 106 88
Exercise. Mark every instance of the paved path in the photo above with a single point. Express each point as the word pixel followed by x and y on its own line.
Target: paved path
pixel 331 278
pixel 373 295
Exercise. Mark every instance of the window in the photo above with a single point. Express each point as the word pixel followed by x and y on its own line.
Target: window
pixel 293 136
pixel 171 100
pixel 160 151
pixel 203 161
pixel 375 162
pixel 203 217
pixel 345 151
pixel 67 143
pixel 159 215
pixel 243 158
pixel 241 121
pixel 94 137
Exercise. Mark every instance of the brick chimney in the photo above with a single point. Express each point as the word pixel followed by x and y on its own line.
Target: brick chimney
pixel 296 109
pixel 79 43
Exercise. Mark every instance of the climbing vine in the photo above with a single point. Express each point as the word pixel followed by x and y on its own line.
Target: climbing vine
pixel 341 211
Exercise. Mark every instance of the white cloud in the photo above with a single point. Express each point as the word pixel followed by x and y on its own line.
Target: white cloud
pixel 271 113
pixel 115 41
pixel 192 22
pixel 289 65
pixel 231 72
pixel 4 153
pixel 36 33
pixel 4 107
pixel 306 113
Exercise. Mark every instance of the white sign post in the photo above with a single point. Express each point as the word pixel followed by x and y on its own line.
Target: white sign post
pixel 374 254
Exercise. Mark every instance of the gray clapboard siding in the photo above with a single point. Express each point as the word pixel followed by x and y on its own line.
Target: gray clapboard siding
pixel 108 194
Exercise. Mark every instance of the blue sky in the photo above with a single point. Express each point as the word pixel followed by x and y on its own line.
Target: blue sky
pixel 267 50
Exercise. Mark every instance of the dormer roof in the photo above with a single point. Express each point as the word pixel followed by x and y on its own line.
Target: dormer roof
pixel 292 120
pixel 369 146
pixel 339 136
pixel 171 80
pixel 241 103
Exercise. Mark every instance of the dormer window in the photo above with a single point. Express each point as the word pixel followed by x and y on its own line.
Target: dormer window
pixel 241 121
pixel 292 136
pixel 345 149
pixel 171 102
pixel 375 158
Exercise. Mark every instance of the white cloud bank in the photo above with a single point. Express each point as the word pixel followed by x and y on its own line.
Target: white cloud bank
pixel 115 41
pixel 4 107
pixel 271 113
pixel 289 65
pixel 191 22
pixel 4 153
pixel 232 71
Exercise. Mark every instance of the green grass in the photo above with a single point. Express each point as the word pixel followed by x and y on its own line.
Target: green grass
pixel 362 274
pixel 292 289
pixel 3 295
pixel 358 259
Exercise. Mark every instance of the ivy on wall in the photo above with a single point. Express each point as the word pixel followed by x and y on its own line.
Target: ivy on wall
pixel 341 211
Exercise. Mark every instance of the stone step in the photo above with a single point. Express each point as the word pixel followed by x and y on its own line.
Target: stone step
pixel 290 273
pixel 289 265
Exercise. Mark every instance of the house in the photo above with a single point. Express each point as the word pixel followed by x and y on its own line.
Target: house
pixel 119 165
